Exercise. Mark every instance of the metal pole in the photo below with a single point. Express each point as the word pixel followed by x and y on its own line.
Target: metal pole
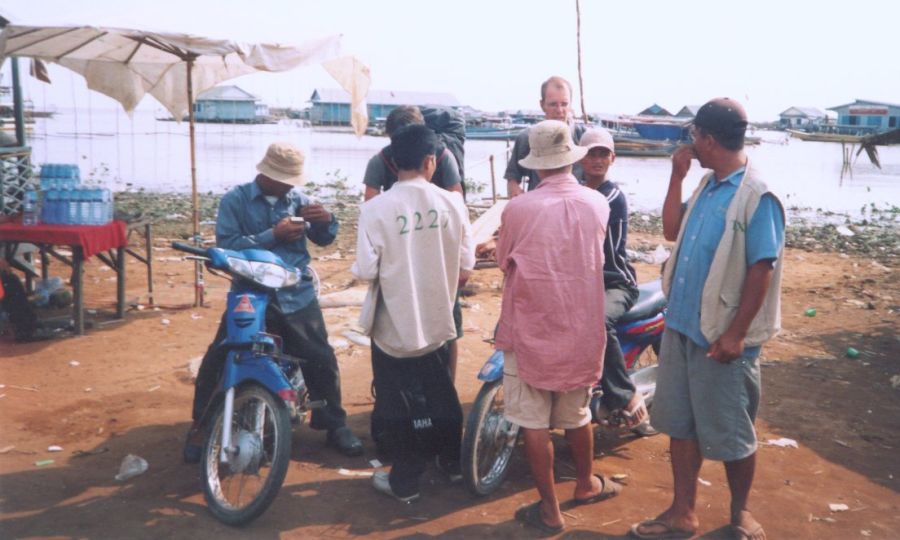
pixel 195 201
pixel 19 109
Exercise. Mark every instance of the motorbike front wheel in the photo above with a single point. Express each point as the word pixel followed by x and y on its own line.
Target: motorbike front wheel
pixel 488 442
pixel 241 488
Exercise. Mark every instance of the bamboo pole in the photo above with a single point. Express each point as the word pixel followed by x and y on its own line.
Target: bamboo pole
pixel 195 199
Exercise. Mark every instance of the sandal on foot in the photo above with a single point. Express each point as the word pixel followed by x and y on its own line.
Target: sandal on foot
pixel 531 516
pixel 635 416
pixel 740 533
pixel 609 490
pixel 668 532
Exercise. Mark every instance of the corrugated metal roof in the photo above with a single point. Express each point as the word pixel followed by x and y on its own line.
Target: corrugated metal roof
pixel 809 112
pixel 226 93
pixel 863 102
pixel 386 97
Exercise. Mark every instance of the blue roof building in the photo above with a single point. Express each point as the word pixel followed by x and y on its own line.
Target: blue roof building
pixel 864 116
pixel 332 106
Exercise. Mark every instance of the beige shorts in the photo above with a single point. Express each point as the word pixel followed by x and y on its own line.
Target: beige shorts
pixel 534 408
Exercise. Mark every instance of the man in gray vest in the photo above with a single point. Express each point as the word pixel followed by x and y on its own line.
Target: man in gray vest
pixel 723 283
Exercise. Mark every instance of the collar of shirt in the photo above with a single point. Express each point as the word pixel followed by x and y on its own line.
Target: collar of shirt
pixel 256 193
pixel 734 177
pixel 562 178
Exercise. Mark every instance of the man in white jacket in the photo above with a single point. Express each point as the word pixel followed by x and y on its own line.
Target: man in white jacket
pixel 415 246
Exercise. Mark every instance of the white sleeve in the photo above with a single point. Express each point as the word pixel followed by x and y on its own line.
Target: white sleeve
pixel 467 242
pixel 367 255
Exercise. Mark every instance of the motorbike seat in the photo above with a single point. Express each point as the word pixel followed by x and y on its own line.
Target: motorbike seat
pixel 651 301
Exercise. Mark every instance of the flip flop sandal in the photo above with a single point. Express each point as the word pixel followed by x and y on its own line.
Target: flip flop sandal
pixel 531 516
pixel 610 489
pixel 741 533
pixel 635 416
pixel 667 533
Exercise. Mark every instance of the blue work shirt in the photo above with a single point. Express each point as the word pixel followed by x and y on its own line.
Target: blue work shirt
pixel 702 233
pixel 246 220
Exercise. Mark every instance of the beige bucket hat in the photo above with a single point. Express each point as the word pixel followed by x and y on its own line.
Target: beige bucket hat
pixel 595 137
pixel 283 162
pixel 551 146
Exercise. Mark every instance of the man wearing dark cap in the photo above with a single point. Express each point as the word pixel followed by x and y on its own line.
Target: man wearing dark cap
pixel 723 283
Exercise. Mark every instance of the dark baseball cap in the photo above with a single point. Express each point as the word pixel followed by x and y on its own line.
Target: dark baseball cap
pixel 722 116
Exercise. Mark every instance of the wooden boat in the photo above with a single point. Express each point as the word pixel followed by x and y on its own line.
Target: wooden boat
pixel 825 137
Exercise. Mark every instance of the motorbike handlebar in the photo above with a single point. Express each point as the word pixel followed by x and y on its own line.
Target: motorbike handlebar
pixel 194 250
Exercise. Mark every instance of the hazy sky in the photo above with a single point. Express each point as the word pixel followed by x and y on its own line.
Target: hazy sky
pixel 493 55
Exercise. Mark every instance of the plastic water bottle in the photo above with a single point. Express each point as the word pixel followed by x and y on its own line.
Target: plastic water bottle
pixel 49 212
pixel 97 210
pixel 30 206
pixel 84 205
pixel 72 206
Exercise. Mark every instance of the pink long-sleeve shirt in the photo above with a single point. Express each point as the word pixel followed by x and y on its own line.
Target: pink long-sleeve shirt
pixel 551 251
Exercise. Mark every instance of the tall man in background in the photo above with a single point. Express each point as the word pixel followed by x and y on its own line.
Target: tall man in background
pixel 556 102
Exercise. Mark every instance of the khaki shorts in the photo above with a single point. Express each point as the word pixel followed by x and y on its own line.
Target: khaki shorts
pixel 534 408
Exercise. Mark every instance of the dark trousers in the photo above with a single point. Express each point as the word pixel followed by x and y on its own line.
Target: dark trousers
pixel 421 412
pixel 615 383
pixel 304 336
pixel 15 303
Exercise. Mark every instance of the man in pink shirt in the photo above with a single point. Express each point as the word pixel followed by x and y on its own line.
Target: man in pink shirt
pixel 551 252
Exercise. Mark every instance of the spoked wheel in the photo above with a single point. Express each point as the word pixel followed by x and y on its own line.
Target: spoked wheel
pixel 240 489
pixel 488 442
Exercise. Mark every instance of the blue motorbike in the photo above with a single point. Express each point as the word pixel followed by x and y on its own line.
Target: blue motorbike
pixel 489 440
pixel 247 424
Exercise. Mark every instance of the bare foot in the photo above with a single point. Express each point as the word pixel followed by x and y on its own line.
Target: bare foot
pixel 746 528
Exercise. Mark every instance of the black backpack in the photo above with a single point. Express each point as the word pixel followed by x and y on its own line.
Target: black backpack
pixel 450 127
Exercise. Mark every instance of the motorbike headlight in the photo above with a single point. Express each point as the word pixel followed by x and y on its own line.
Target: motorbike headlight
pixel 272 276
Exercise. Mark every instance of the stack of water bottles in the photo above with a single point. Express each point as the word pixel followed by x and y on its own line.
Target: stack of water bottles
pixel 68 202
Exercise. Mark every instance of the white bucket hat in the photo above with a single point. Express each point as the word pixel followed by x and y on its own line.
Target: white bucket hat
pixel 283 162
pixel 595 137
pixel 551 146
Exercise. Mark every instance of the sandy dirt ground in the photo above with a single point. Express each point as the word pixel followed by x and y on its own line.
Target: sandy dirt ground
pixel 131 392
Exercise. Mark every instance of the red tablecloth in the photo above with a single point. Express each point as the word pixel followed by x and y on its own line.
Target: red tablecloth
pixel 92 238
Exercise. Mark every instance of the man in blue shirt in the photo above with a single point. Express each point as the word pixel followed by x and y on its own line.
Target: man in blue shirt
pixel 723 285
pixel 257 215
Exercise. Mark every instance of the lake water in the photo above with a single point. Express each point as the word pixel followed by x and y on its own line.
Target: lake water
pixel 145 153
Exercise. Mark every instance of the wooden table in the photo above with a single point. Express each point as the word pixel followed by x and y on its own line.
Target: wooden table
pixel 108 242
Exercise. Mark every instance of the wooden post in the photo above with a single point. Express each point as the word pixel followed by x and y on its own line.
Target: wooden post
pixel 493 181
pixel 584 114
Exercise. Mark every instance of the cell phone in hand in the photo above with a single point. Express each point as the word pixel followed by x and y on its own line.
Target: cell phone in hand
pixel 297 219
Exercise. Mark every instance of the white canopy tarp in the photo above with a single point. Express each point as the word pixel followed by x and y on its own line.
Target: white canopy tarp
pixel 126 64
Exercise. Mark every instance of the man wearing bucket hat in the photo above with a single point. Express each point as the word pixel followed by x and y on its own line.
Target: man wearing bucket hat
pixel 258 215
pixel 556 102
pixel 625 405
pixel 550 250
pixel 723 284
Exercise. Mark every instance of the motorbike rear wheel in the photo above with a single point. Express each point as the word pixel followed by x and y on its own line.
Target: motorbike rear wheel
pixel 241 489
pixel 488 441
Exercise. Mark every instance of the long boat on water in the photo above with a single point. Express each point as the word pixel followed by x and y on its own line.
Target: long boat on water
pixel 825 137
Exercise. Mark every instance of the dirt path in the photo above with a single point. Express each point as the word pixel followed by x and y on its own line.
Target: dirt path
pixel 131 392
